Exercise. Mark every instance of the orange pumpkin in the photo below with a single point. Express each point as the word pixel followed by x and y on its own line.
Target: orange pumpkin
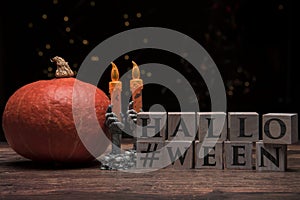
pixel 38 120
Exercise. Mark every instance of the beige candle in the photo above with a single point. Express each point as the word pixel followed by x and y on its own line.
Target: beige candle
pixel 136 86
pixel 115 88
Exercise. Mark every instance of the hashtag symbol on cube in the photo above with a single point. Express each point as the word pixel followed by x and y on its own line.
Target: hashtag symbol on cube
pixel 149 158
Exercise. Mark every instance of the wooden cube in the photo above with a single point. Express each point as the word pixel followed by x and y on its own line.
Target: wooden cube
pixel 212 126
pixel 238 154
pixel 179 154
pixel 151 125
pixel 181 126
pixel 243 126
pixel 280 128
pixel 209 155
pixel 271 157
pixel 147 145
pixel 151 160
pixel 150 154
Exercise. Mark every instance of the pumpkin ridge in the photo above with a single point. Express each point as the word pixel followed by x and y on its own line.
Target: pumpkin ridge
pixel 18 114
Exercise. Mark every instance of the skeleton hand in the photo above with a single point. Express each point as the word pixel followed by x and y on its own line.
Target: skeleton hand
pixel 131 114
pixel 112 121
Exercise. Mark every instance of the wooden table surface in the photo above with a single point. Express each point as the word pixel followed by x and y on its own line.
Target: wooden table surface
pixel 23 179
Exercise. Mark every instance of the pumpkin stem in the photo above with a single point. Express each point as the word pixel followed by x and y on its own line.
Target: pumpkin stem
pixel 63 69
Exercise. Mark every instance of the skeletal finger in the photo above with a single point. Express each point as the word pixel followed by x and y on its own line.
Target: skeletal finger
pixel 130 105
pixel 111 120
pixel 110 115
pixel 109 109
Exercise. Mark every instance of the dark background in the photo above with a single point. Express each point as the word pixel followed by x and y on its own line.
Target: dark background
pixel 249 40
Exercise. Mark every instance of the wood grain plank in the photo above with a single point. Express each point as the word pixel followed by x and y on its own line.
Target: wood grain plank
pixel 23 179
